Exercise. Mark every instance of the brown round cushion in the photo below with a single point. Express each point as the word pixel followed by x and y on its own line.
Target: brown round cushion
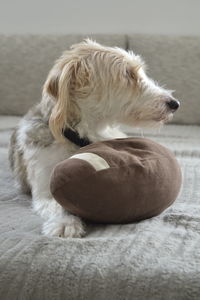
pixel 117 181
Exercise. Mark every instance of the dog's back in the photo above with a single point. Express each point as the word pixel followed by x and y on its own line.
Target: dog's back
pixel 17 163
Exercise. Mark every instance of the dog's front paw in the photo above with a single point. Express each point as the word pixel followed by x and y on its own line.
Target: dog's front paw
pixel 68 227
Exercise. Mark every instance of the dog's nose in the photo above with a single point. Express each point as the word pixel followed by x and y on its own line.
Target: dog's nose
pixel 173 104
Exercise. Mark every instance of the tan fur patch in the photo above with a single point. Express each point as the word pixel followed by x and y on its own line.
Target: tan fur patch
pixel 17 164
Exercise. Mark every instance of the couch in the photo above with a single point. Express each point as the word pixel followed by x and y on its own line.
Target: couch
pixel 158 258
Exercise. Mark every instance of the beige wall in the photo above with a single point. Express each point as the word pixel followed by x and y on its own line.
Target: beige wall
pixel 100 16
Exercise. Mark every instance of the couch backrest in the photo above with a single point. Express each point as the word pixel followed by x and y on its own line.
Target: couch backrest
pixel 26 60
pixel 174 62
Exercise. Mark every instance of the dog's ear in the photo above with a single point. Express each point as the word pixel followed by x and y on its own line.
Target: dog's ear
pixel 67 81
pixel 51 84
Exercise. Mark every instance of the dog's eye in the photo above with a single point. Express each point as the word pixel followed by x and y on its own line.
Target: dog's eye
pixel 130 74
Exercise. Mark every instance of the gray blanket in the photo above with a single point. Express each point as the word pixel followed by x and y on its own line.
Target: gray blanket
pixel 154 259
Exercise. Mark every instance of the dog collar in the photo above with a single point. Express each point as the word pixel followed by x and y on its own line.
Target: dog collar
pixel 75 138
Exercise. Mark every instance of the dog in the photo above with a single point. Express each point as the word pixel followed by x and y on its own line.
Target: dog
pixel 90 90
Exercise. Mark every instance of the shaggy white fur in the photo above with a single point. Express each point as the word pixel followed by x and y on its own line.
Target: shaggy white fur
pixel 90 89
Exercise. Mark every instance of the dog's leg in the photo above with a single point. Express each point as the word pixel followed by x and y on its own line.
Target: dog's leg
pixel 58 222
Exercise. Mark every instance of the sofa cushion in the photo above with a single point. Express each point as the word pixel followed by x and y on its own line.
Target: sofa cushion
pixel 154 259
pixel 174 61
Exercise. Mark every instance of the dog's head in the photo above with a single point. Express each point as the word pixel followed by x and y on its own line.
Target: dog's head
pixel 99 85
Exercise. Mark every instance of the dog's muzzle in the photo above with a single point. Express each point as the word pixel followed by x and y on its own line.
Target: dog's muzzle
pixel 173 104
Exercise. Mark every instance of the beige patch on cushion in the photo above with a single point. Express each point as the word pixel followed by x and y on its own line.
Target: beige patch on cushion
pixel 95 160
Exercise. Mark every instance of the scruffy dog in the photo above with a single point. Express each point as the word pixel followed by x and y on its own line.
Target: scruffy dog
pixel 90 89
